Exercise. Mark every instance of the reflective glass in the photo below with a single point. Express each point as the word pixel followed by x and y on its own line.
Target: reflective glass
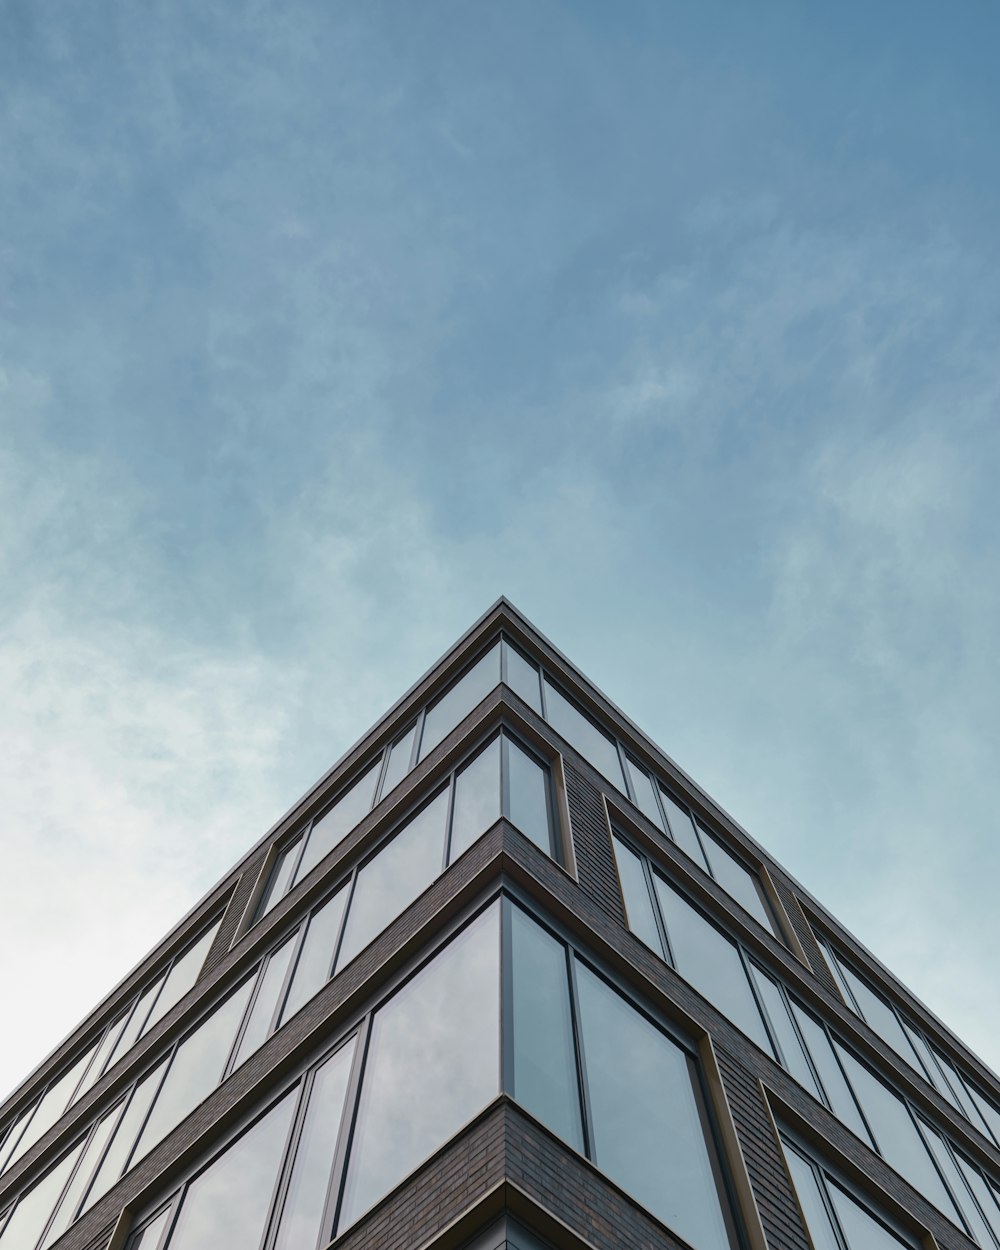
pixel 433 1062
pixel 703 956
pixel 522 677
pixel 196 1068
pixel 638 904
pixel 135 1022
pixel 124 1137
pixel 227 1204
pixel 148 1238
pixel 182 976
pixel 544 1077
pixel 788 1039
pixel 984 1193
pixel 53 1104
pixel 863 1231
pixel 280 879
pixel 395 876
pixel 477 799
pixel 262 1012
pixel 13 1136
pixel 838 1092
pixel 986 1109
pixel 459 701
pixel 834 965
pixel 807 1190
pixel 645 795
pixel 682 829
pixel 302 1212
pixel 398 765
pixel 315 961
pixel 107 1047
pixel 646 1126
pixel 582 734
pixel 335 824
pixel 735 879
pixel 928 1067
pixel 953 1078
pixel 528 796
pixel 81 1178
pixel 31 1214
pixel 880 1016
pixel 945 1161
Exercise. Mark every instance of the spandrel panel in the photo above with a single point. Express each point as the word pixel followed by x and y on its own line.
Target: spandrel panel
pixel 583 735
pixel 710 962
pixel 788 1039
pixel 863 1231
pixel 334 825
pixel 638 905
pixel 302 1212
pixel 645 795
pixel 810 1198
pixel 682 829
pixel 528 796
pixel 522 677
pixel 544 1060
pixel 736 880
pixel 182 976
pixel 477 799
pixel 459 701
pixel 433 1063
pixel 315 961
pixel 838 1092
pixel 196 1069
pixel 262 1011
pixel 125 1134
pixel 81 1178
pixel 389 882
pixel 31 1214
pixel 227 1204
pixel 646 1127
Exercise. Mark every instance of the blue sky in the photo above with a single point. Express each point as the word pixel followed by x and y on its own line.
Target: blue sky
pixel 321 326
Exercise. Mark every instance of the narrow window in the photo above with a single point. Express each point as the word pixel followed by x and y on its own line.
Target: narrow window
pixel 834 1217
pixel 330 829
pixel 272 978
pixel 645 792
pixel 477 799
pixel 597 747
pixel 279 880
pixel 457 702
pixel 522 677
pixel 315 961
pixel 527 801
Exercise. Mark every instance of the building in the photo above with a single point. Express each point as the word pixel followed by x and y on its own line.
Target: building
pixel 505 977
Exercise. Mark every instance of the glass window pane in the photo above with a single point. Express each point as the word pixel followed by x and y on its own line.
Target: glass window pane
pixel 986 1109
pixel 967 1106
pixel 182 975
pixel 735 879
pixel 838 1092
pixel 928 1067
pixel 81 1178
pixel 53 1104
pixel 196 1069
pixel 837 972
pixel 136 1020
pixel 31 1214
pixel 280 879
pixel 401 870
pixel 303 1209
pixel 682 829
pixel 647 1129
pixel 984 1193
pixel 880 1016
pixel 788 1039
pixel 433 1062
pixel 645 795
pixel 528 796
pixel 477 799
pixel 227 1204
pixel 148 1238
pixel 398 766
pixel 638 904
pixel 522 677
pixel 107 1047
pixel 810 1197
pixel 710 962
pixel 335 824
pixel 314 966
pixel 125 1134
pixel 13 1136
pixel 583 735
pixel 262 1011
pixel 863 1231
pixel 458 702
pixel 544 1076
pixel 945 1161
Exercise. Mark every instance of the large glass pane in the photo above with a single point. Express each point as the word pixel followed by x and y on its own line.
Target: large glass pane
pixel 262 1011
pixel 335 824
pixel 646 1126
pixel 196 1069
pixel 710 962
pixel 522 677
pixel 315 963
pixel 544 1076
pixel 582 734
pixel 645 794
pixel 945 1161
pixel 788 1039
pixel 896 1135
pixel 984 1194
pixel 53 1104
pixel 928 1067
pixel 393 879
pixel 638 904
pixel 477 799
pixel 280 879
pixel 458 702
pixel 953 1078
pixel 125 1134
pixel 433 1062
pixel 136 1021
pixel 735 879
pixel 986 1109
pixel 182 976
pixel 862 1231
pixel 838 1092
pixel 307 1191
pixel 880 1016
pixel 682 829
pixel 528 796
pixel 227 1204
pixel 81 1178
pixel 31 1214
pixel 108 1045
pixel 807 1190
pixel 398 765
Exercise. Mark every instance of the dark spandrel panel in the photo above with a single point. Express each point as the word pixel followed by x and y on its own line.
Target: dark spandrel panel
pixel 881 1017
pixel 544 1061
pixel 280 879
pixel 896 1135
pixel 522 677
pixel 399 872
pixel 710 962
pixel 838 1092
pixel 433 1062
pixel 148 1238
pixel 736 880
pixel 477 799
pixel 262 1011
pixel 458 702
pixel 528 796
pixel 182 975
pixel 682 829
pixel 950 1170
pixel 196 1069
pixel 136 1021
pixel 227 1204
pixel 312 971
pixel 645 795
pixel 398 765
pixel 788 1039
pixel 82 1176
pixel 583 735
pixel 330 829
pixel 646 1127
pixel 31 1214
pixel 810 1198
pixel 638 905
pixel 53 1104
pixel 302 1213
pixel 124 1137
pixel 862 1231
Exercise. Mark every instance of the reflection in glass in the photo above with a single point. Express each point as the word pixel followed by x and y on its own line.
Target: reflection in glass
pixel 52 1105
pixel 399 761
pixel 312 970
pixel 81 1178
pixel 682 829
pixel 336 823
pixel 121 1144
pixel 395 876
pixel 522 677
pixel 582 734
pixel 135 1024
pixel 13 1136
pixel 227 1204
pixel 862 1231
pixel 302 1212
pixel 877 1012
pixel 459 701
pixel 638 905
pixel 181 977
pixel 280 879
pixel 528 796
pixel 943 1158
pixel 544 1077
pixel 148 1238
pixel 645 796
pixel 477 799
pixel 646 1126
pixel 735 879
pixel 433 1062
pixel 31 1214
pixel 810 1196
pixel 262 1011
pixel 838 1092
pixel 788 1039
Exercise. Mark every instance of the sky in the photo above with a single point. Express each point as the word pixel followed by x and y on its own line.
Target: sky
pixel 324 325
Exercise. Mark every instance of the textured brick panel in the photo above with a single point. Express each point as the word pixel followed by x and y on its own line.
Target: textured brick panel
pixel 595 859
pixel 803 931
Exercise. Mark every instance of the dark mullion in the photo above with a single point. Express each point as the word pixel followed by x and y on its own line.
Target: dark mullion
pixel 853 1092
pixel 769 1028
pixel 276 1187
pixel 586 1113
pixel 344 918
pixel 449 817
pixel 824 1195
pixel 623 765
pixel 287 1167
pixel 418 733
pixel 293 878
pixel 171 1224
pixel 504 777
pixel 661 924
pixel 507 1073
pixel 541 692
pixel 384 764
pixel 345 1137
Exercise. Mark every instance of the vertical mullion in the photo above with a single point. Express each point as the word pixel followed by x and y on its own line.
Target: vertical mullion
pixel 446 849
pixel 386 752
pixel 661 924
pixel 418 733
pixel 586 1113
pixel 293 876
pixel 828 1206
pixel 345 1138
pixel 504 777
pixel 234 1050
pixel 810 1061
pixel 149 1111
pixel 623 765
pixel 288 1161
pixel 853 1092
pixel 541 693
pixel 769 1028
pixel 506 997
pixel 78 1210
pixel 276 1187
pixel 503 662
pixel 343 920
pixel 69 1181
